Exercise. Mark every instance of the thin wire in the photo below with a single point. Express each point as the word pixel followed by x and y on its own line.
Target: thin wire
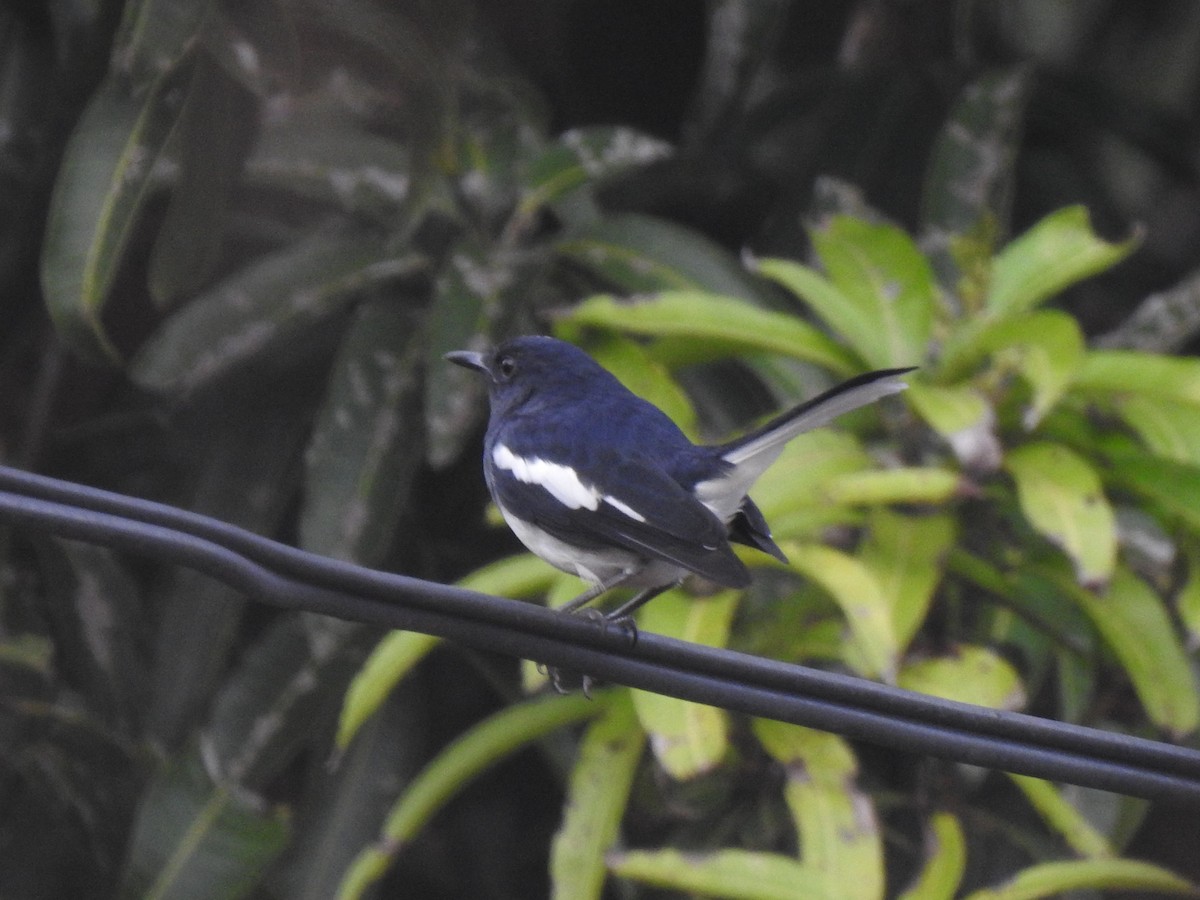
pixel 854 707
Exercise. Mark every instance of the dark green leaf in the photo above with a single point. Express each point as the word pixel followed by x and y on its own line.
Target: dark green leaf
pixel 102 187
pixel 366 445
pixel 194 837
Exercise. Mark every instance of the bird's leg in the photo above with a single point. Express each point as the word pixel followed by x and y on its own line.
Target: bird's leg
pixel 595 591
pixel 625 610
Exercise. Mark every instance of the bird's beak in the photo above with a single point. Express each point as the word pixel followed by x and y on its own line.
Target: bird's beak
pixel 468 359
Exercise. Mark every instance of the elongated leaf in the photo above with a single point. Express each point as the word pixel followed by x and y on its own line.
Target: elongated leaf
pixel 155 35
pixel 1051 256
pixel 398 653
pixel 880 271
pixel 839 311
pixel 738 874
pixel 1048 349
pixel 101 190
pixel 971 172
pixel 198 617
pixel 1061 496
pixel 596 798
pixel 317 152
pixel 963 416
pixel 1172 487
pixel 725 324
pixel 586 156
pixel 808 463
pixel 838 831
pixel 1188 599
pixel 637 253
pixel 264 713
pixel 1134 624
pixel 1060 815
pixel 873 647
pixel 945 849
pixel 900 485
pixel 1054 879
pixel 194 838
pixel 480 748
pixel 212 137
pixel 366 445
pixel 906 555
pixel 466 296
pixel 263 308
pixel 688 739
pixel 344 803
pixel 1166 427
pixel 970 675
pixel 1121 372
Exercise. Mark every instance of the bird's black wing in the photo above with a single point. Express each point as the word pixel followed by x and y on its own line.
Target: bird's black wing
pixel 623 503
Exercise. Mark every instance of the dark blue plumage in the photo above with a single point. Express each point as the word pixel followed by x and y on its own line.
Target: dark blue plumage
pixel 600 483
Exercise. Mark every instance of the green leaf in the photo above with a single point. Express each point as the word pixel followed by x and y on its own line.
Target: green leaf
pixel 1125 372
pixel 899 485
pixel 394 657
pixel 945 860
pixel 474 752
pixel 873 647
pixel 737 874
pixel 636 253
pixel 1054 254
pixel 1046 346
pixel 969 674
pixel 836 824
pixel 1188 599
pixel 586 156
pixel 398 653
pixel 1133 621
pixel 194 838
pixel 1055 879
pixel 263 308
pixel 1165 426
pixel 366 446
pixel 1061 497
pixel 869 646
pixel 688 739
pixel 1171 486
pixel 466 298
pixel 970 174
pixel 155 36
pixel 103 184
pixel 597 795
pixel 887 280
pixel 317 152
pixel 839 311
pixel 264 712
pixel 724 323
pixel 212 137
pixel 963 416
pixel 906 554
pixel 1064 818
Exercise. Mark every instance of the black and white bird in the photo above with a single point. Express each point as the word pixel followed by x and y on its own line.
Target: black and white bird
pixel 602 484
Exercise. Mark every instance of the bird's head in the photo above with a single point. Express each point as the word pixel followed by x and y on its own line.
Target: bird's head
pixel 533 366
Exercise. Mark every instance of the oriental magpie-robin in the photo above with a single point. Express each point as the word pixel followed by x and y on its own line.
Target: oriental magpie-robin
pixel 600 483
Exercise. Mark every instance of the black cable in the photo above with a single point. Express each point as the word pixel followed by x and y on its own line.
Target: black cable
pixel 854 707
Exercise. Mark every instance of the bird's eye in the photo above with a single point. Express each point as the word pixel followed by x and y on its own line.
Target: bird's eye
pixel 506 365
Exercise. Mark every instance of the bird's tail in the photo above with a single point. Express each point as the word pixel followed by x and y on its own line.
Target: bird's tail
pixel 752 453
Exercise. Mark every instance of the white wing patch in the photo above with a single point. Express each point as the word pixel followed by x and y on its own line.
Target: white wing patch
pixel 562 482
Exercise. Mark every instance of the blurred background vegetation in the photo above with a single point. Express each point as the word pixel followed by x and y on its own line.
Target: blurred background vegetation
pixel 236 238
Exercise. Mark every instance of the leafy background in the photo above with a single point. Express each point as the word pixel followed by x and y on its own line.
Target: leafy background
pixel 236 239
